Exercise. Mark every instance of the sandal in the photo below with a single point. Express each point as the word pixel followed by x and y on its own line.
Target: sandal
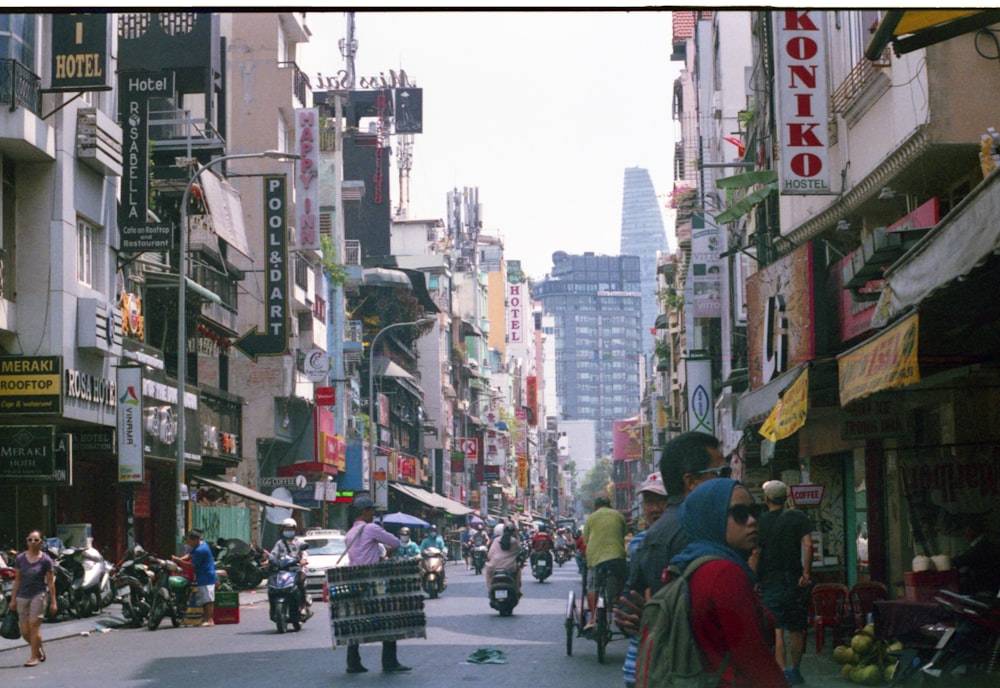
pixel 31 662
pixel 41 655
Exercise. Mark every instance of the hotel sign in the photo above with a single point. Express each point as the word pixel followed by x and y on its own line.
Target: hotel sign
pixel 27 451
pixel 803 101
pixel 30 384
pixel 81 44
pixel 307 177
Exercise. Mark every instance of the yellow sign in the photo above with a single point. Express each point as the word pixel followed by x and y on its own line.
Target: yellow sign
pixel 789 414
pixel 522 471
pixel 888 361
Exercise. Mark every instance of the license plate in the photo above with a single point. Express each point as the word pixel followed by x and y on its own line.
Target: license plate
pixel 501 594
pixel 124 591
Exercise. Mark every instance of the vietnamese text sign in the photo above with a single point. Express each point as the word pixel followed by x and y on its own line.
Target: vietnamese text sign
pixel 789 414
pixel 884 362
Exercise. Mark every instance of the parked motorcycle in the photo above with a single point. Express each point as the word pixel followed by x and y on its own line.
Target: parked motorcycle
pixel 171 593
pixel 94 587
pixel 241 560
pixel 6 586
pixel 967 653
pixel 432 564
pixel 133 585
pixel 479 558
pixel 66 570
pixel 541 565
pixel 503 591
pixel 284 594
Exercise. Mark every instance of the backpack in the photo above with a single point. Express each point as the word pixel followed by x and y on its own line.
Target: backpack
pixel 668 653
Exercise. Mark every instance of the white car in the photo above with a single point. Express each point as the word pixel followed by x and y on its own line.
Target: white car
pixel 325 550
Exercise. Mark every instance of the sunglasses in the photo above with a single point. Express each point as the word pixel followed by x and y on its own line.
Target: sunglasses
pixel 741 513
pixel 718 471
pixel 34 539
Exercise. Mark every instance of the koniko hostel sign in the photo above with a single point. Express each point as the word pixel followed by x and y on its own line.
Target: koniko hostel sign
pixel 802 101
pixel 307 178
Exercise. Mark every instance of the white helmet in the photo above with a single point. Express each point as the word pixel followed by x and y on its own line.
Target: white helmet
pixel 289 523
pixel 498 530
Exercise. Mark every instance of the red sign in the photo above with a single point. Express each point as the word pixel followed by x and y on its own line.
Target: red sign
pixel 469 446
pixel 142 496
pixel 807 495
pixel 532 398
pixel 326 396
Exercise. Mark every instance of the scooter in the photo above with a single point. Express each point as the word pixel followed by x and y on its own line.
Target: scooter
pixel 479 558
pixel 6 586
pixel 541 565
pixel 284 594
pixel 65 572
pixel 503 591
pixel 171 593
pixel 563 554
pixel 242 562
pixel 133 585
pixel 95 586
pixel 432 571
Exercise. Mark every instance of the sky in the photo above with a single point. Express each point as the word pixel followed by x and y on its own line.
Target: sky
pixel 542 111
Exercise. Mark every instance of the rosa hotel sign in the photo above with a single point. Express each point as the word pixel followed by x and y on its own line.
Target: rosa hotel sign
pixel 803 103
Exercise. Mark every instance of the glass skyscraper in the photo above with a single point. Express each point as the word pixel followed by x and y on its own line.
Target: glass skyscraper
pixel 643 234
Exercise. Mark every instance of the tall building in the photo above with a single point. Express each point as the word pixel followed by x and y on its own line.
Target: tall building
pixel 595 303
pixel 643 234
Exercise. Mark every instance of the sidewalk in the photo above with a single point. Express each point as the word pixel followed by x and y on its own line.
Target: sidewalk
pixel 109 619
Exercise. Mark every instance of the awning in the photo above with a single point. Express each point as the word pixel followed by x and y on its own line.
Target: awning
pixel 387 368
pixel 433 500
pixel 753 407
pixel 386 277
pixel 963 240
pixel 910 30
pixel 248 493
pixel 226 208
pixel 886 361
pixel 662 321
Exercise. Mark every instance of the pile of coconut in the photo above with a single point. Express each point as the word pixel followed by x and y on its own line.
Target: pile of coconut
pixel 867 660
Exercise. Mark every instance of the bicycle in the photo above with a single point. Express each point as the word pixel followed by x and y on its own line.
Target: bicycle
pixel 577 615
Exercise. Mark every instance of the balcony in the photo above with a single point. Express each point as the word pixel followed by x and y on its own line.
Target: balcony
pixel 24 136
pixel 19 87
pixel 300 83
pixel 353 336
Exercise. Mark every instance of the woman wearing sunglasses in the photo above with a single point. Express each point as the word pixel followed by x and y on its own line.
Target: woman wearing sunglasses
pixel 34 587
pixel 720 519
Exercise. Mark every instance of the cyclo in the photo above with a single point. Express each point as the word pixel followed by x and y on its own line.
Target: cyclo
pixel 578 615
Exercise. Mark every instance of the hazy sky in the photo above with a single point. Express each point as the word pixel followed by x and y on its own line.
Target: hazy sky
pixel 542 111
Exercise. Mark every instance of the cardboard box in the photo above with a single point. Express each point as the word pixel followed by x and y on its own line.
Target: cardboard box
pixel 226 615
pixel 922 586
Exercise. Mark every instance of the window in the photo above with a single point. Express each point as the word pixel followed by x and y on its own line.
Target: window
pixel 17 38
pixel 85 252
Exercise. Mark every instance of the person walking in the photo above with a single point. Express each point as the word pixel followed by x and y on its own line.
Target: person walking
pixel 654 501
pixel 34 590
pixel 604 541
pixel 200 557
pixel 363 540
pixel 730 623
pixel 784 570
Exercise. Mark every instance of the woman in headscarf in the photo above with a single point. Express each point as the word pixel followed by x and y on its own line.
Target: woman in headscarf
pixel 720 519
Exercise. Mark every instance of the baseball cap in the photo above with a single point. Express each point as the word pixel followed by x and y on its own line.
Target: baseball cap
pixel 654 484
pixel 363 502
pixel 775 491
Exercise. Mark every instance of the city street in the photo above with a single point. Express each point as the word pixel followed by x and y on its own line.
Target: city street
pixel 251 652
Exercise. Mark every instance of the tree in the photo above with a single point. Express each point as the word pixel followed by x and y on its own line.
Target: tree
pixel 597 482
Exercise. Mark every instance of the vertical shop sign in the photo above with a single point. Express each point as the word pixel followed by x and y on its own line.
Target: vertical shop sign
pixel 130 425
pixel 307 177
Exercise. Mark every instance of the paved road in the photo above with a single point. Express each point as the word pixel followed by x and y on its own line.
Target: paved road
pixel 251 652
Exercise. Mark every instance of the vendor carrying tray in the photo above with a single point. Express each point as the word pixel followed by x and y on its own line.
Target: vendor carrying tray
pixel 376 602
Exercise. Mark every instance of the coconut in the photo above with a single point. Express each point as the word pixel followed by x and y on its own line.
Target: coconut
pixel 869 630
pixel 845 671
pixel 840 654
pixel 862 644
pixel 921 563
pixel 871 675
pixel 896 646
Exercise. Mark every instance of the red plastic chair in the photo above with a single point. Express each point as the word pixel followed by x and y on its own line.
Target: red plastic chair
pixel 863 595
pixel 830 609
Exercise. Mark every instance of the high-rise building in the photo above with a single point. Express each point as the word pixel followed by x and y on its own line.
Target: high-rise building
pixel 595 304
pixel 643 235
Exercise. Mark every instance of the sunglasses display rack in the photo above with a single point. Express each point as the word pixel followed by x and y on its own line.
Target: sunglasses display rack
pixel 376 602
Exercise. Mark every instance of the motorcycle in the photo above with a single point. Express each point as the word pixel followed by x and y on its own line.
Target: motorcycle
pixel 479 558
pixel 171 593
pixel 432 571
pixel 503 591
pixel 133 585
pixel 541 565
pixel 65 570
pixel 6 587
pixel 966 653
pixel 563 554
pixel 95 591
pixel 284 594
pixel 241 560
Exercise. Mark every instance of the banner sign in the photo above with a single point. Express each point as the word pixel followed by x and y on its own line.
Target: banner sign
pixel 130 425
pixel 135 89
pixel 789 414
pixel 30 384
pixel 803 101
pixel 884 362
pixel 307 178
pixel 81 43
pixel 27 451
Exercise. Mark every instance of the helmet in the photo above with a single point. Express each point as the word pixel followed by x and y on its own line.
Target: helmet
pixel 479 526
pixel 404 531
pixel 289 523
pixel 541 528
pixel 434 529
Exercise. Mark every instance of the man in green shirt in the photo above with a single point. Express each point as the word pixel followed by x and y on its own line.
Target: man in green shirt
pixel 604 542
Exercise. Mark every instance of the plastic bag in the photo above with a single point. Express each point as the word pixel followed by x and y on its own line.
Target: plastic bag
pixel 11 628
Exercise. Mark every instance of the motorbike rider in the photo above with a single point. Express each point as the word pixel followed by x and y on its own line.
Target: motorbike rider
pixel 407 549
pixel 290 544
pixel 541 542
pixel 505 553
pixel 432 540
pixel 465 539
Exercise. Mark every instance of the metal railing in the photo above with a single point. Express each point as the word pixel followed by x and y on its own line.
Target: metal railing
pixel 862 74
pixel 352 252
pixel 300 82
pixel 19 87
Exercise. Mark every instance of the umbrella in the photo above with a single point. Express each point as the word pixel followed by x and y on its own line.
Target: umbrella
pixel 473 519
pixel 401 519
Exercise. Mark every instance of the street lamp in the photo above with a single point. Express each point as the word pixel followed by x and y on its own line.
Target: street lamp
pixel 183 282
pixel 373 426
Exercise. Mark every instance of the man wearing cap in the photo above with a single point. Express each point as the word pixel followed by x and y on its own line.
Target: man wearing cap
pixel 363 540
pixel 784 568
pixel 654 500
